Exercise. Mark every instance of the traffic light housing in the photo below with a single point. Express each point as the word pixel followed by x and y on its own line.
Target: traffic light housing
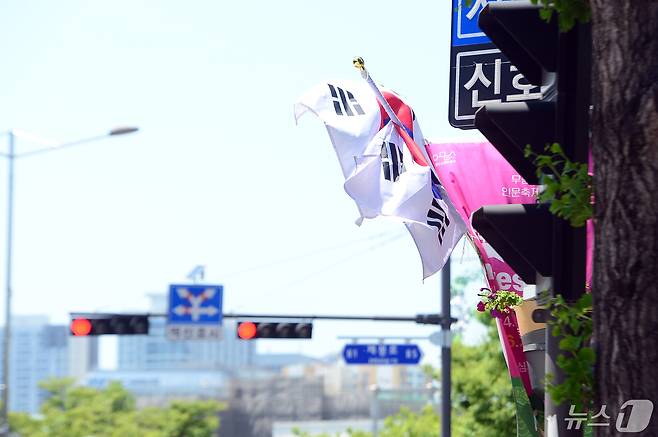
pixel 108 324
pixel 530 239
pixel 531 45
pixel 536 244
pixel 248 330
pixel 521 234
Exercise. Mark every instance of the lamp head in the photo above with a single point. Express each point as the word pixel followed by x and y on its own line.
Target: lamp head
pixel 122 130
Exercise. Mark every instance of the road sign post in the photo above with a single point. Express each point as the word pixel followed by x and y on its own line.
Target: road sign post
pixel 382 354
pixel 195 312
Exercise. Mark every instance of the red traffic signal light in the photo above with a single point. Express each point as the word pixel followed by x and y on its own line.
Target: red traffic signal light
pixel 107 324
pixel 80 327
pixel 247 330
pixel 251 330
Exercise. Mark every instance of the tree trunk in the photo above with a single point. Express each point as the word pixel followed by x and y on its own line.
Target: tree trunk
pixel 625 153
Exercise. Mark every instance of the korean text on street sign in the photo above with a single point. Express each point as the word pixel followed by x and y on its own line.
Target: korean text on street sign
pixel 195 312
pixel 392 354
pixel 479 72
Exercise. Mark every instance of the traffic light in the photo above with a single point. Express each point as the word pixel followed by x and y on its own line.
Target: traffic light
pixel 536 244
pixel 521 234
pixel 248 330
pixel 107 324
pixel 528 237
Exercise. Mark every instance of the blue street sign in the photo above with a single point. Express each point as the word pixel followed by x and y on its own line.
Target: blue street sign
pixel 382 354
pixel 195 304
pixel 465 30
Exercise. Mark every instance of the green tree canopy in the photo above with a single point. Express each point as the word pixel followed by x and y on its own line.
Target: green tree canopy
pixel 74 411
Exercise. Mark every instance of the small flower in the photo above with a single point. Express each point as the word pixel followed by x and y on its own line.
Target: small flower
pixel 497 314
pixel 480 306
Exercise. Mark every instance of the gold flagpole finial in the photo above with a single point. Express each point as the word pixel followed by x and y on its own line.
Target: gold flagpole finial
pixel 359 63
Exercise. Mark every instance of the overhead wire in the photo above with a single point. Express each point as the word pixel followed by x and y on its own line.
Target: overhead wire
pixel 328 267
pixel 306 255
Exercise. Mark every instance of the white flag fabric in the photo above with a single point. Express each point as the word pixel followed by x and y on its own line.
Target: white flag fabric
pixel 385 176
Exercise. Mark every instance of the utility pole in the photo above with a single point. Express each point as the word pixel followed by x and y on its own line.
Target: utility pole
pixel 11 156
pixel 446 355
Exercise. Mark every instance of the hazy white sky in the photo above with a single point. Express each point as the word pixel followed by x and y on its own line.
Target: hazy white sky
pixel 219 174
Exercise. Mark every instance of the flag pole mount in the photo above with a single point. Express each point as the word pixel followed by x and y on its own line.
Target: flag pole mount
pixel 360 65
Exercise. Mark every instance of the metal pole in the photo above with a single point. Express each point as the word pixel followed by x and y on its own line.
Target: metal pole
pixel 446 356
pixel 4 422
pixel 426 319
pixel 569 244
pixel 374 410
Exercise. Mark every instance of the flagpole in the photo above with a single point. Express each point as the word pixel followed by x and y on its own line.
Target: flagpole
pixel 446 343
pixel 419 154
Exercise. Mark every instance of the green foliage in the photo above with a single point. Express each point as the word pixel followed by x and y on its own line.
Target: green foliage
pixel 483 405
pixel 568 11
pixel 498 303
pixel 409 424
pixel 568 184
pixel 573 323
pixel 73 411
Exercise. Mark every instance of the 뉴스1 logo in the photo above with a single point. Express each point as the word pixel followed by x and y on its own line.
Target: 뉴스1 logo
pixel 444 158
pixel 634 416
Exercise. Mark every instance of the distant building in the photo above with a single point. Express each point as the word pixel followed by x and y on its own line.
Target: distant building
pixel 40 351
pixel 155 352
pixel 334 428
pixel 158 388
pixel 254 405
pixel 342 378
pixel 157 370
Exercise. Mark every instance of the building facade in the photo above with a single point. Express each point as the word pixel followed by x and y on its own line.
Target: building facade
pixel 154 352
pixel 41 351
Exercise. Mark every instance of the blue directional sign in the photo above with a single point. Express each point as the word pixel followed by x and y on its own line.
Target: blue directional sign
pixel 465 30
pixel 382 354
pixel 195 311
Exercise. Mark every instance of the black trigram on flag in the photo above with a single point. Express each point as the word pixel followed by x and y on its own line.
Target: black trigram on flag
pixel 344 102
pixel 438 218
pixel 392 161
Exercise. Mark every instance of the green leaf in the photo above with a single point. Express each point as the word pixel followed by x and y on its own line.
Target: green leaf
pixel 570 343
pixel 587 355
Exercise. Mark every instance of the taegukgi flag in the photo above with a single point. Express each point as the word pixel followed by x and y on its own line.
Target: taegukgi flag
pixel 385 173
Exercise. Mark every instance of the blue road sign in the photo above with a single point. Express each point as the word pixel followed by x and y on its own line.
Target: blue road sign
pixel 465 30
pixel 382 354
pixel 195 304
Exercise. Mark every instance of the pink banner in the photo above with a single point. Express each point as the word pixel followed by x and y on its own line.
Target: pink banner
pixel 476 174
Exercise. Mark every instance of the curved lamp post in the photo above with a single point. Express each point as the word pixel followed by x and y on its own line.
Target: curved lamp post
pixel 11 156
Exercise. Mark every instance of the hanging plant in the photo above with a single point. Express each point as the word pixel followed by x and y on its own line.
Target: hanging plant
pixel 498 303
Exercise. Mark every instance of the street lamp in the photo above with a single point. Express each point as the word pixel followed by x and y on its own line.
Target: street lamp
pixel 11 156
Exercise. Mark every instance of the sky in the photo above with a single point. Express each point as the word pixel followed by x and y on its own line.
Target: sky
pixel 219 174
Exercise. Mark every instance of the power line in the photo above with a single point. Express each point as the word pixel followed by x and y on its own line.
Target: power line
pixel 380 243
pixel 306 255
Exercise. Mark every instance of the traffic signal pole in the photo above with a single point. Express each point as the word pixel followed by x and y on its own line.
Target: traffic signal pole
pixel 569 243
pixel 446 353
pixel 420 319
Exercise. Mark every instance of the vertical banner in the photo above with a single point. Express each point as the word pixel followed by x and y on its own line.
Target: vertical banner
pixel 476 174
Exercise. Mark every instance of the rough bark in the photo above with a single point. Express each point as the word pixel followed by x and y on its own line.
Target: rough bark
pixel 625 152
